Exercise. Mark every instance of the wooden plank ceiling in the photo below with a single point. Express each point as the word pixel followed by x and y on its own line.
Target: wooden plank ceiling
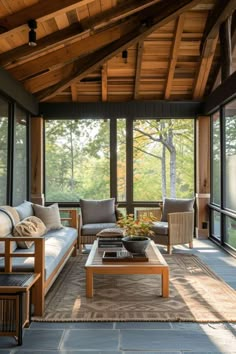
pixel 114 50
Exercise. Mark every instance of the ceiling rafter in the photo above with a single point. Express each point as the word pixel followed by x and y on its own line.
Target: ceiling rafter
pixel 20 54
pixel 174 55
pixel 138 69
pixel 40 11
pixel 209 43
pixel 162 13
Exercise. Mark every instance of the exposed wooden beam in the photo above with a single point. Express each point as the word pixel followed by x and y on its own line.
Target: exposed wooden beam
pixel 104 82
pixel 209 42
pixel 20 54
pixel 221 94
pixel 15 90
pixel 158 15
pixel 138 69
pixel 217 72
pixel 23 53
pixel 203 71
pixel 40 11
pixel 216 17
pixel 174 55
pixel 65 53
pixel 226 49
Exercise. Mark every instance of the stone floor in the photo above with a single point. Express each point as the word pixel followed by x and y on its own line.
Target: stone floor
pixel 137 337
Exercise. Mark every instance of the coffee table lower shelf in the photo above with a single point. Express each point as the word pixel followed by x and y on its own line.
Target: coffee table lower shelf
pixel 155 265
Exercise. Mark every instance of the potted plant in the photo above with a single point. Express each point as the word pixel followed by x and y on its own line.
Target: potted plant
pixel 136 232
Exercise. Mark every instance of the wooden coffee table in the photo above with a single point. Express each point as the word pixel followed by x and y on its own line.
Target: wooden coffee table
pixel 156 265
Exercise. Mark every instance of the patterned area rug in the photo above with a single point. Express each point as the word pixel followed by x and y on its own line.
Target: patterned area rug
pixel 196 294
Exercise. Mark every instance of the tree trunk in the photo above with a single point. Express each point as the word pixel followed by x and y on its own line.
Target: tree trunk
pixel 173 173
pixel 172 162
pixel 72 158
pixel 163 172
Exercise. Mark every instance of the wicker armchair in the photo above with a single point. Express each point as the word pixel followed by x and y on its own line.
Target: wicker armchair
pixel 176 224
pixel 96 215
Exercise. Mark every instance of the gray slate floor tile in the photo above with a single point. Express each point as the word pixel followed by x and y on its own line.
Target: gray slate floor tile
pixel 42 339
pixel 91 340
pixel 173 340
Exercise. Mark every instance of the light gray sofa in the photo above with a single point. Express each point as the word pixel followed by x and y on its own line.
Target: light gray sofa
pixel 46 256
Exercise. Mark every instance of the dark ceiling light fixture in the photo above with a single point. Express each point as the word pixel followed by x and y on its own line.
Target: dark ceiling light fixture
pixel 32 34
pixel 125 56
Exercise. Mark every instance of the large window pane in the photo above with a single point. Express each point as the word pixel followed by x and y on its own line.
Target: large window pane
pixel 163 159
pixel 121 160
pixel 230 237
pixel 77 159
pixel 216 224
pixel 216 152
pixel 20 158
pixel 3 150
pixel 230 155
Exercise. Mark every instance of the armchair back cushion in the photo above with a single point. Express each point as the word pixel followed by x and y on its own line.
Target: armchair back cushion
pixel 98 211
pixel 172 205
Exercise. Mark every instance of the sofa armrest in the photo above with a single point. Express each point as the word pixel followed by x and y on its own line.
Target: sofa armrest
pixel 181 226
pixel 38 254
pixel 70 217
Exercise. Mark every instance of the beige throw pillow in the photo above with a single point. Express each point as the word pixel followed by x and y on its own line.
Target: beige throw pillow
pixel 49 215
pixel 29 227
pixel 111 232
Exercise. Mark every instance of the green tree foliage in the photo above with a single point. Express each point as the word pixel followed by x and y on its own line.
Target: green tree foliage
pixel 78 159
pixel 163 158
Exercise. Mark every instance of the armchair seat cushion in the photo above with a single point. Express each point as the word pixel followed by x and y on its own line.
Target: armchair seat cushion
pixel 93 229
pixel 160 228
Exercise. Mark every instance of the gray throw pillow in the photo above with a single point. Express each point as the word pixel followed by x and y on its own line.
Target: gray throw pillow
pixel 98 211
pixel 49 215
pixel 172 205
pixel 25 210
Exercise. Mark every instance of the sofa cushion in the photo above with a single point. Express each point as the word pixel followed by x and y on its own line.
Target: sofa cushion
pixel 31 226
pixel 98 211
pixel 57 243
pixel 160 228
pixel 24 210
pixel 50 215
pixel 172 205
pixel 94 229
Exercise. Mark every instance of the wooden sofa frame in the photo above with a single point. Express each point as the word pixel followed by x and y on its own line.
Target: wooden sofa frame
pixel 42 286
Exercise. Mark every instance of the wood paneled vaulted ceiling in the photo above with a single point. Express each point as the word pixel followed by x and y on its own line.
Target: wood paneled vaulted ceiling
pixel 173 48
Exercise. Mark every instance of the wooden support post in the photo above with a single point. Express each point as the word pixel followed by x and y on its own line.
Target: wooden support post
pixel 202 176
pixel 37 195
pixel 226 49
